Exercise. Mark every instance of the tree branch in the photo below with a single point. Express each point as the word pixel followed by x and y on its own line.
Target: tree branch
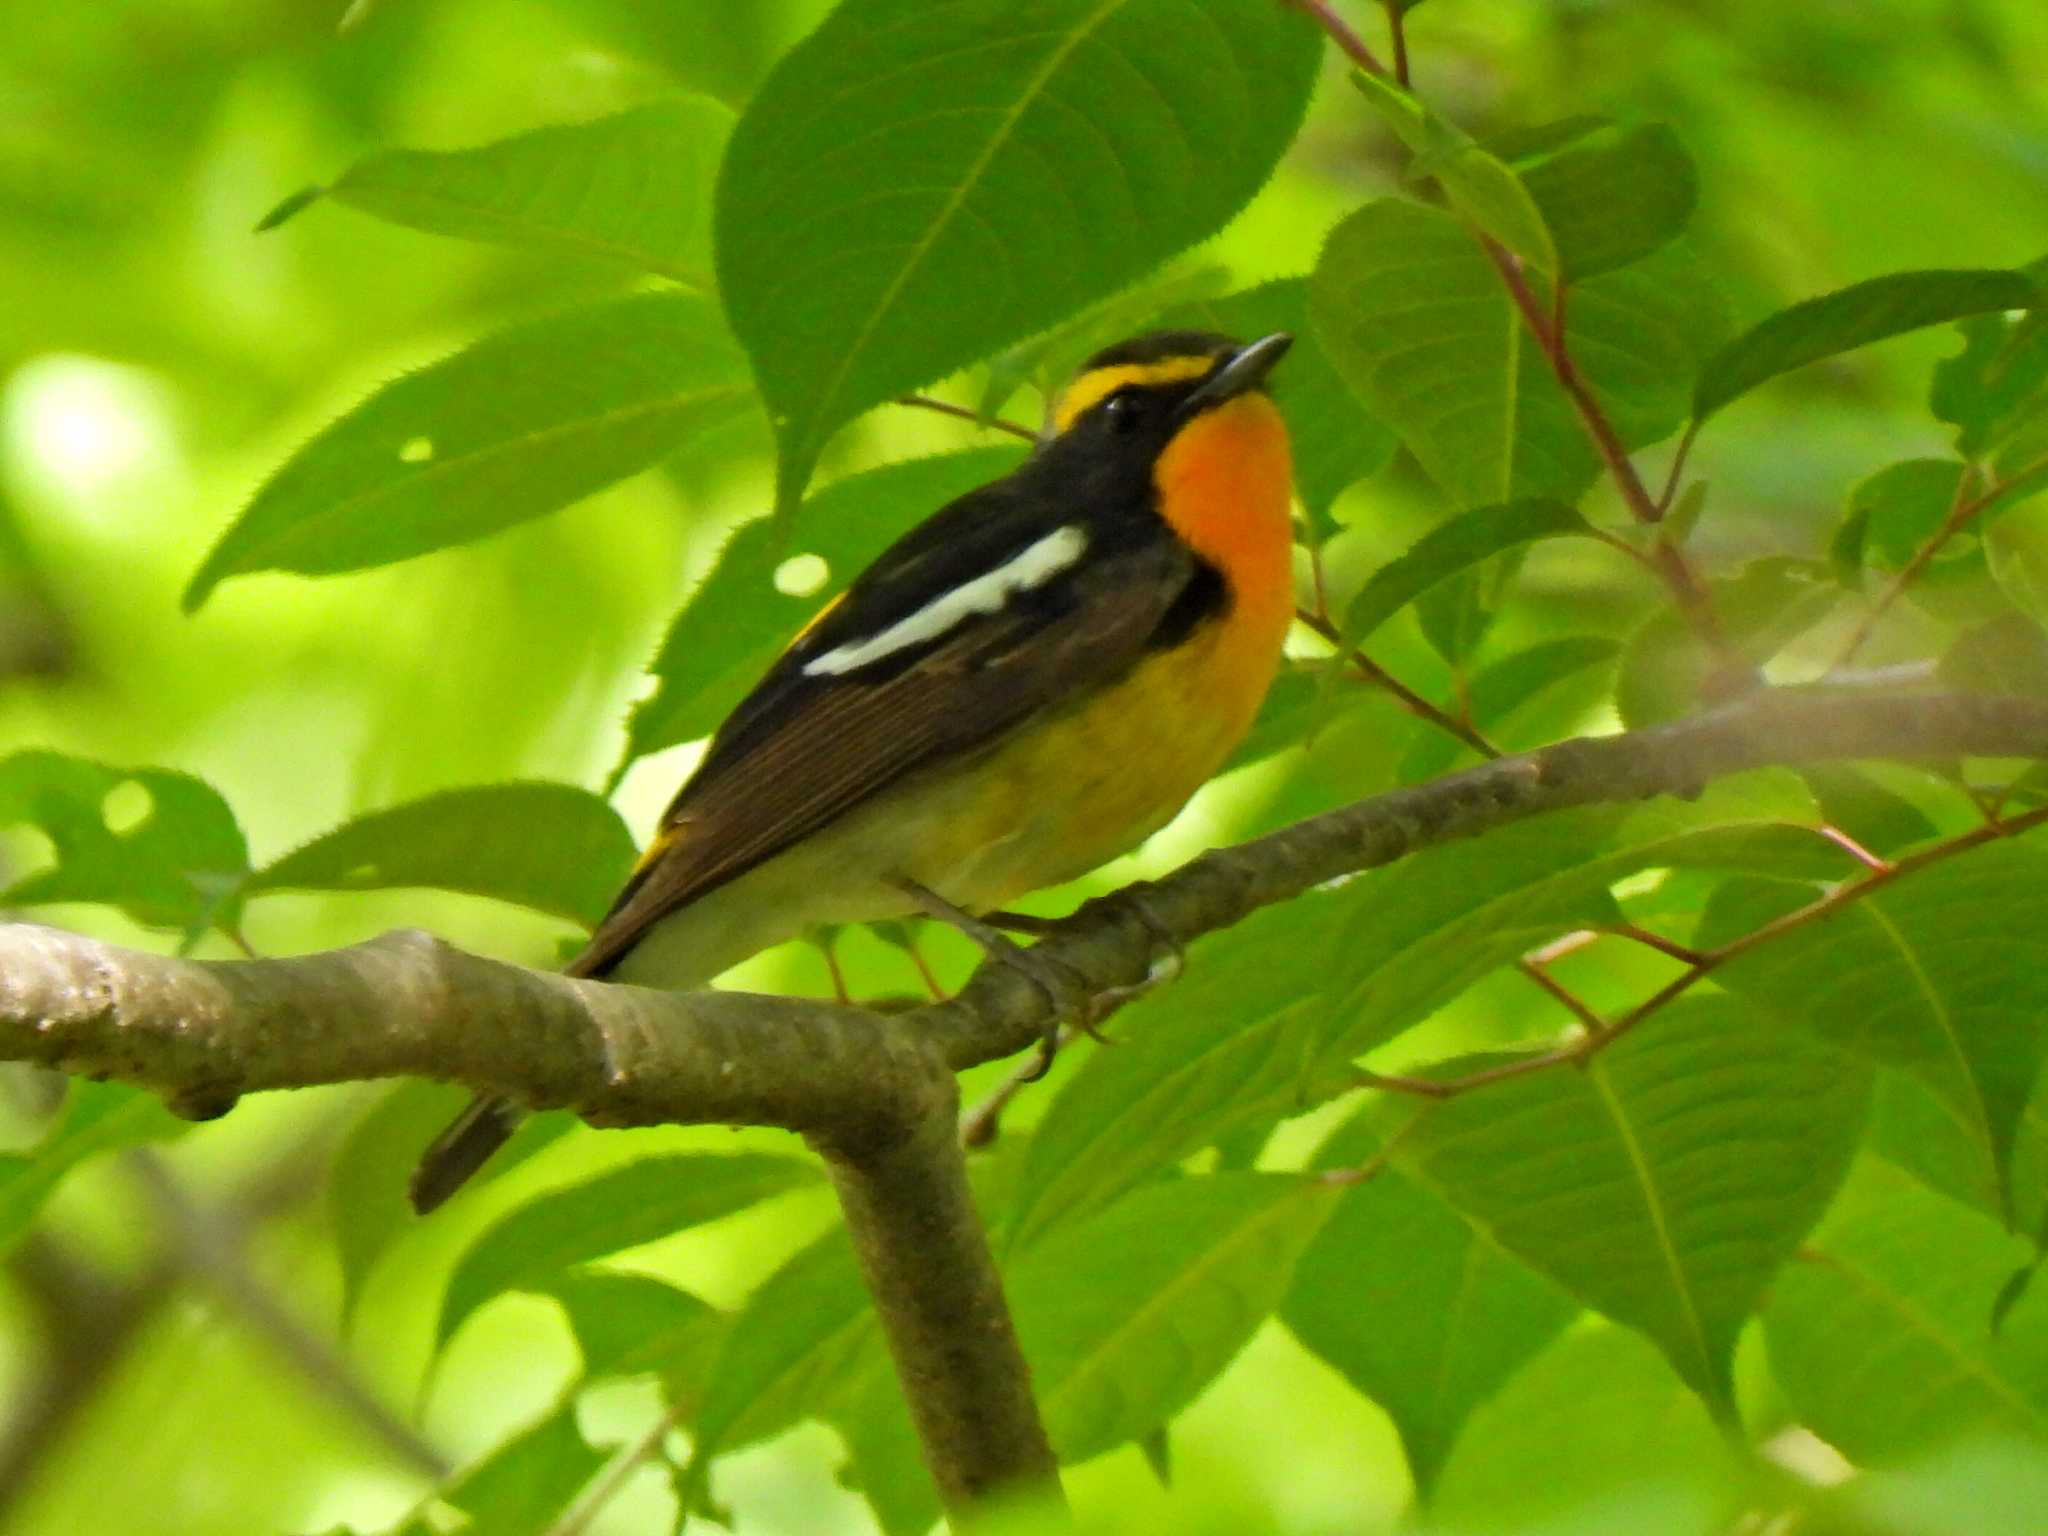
pixel 874 1092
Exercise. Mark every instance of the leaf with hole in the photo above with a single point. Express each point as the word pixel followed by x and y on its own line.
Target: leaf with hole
pixel 162 846
pixel 651 1198
pixel 1414 1308
pixel 633 188
pixel 514 426
pixel 1849 318
pixel 1666 1182
pixel 915 186
pixel 738 619
pixel 552 847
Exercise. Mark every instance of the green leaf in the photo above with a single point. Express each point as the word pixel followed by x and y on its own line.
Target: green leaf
pixel 1336 443
pixel 1126 1316
pixel 1877 817
pixel 800 1336
pixel 1997 382
pixel 523 1486
pixel 1914 1129
pixel 96 1118
pixel 737 621
pixel 629 1324
pixel 1414 317
pixel 1666 667
pixel 1614 196
pixel 1989 1488
pixel 638 1203
pixel 1665 1182
pixel 552 847
pixel 161 846
pixel 2017 548
pixel 514 426
pixel 1847 319
pixel 634 187
pixel 2007 656
pixel 366 1205
pixel 1498 691
pixel 1479 186
pixel 1466 540
pixel 915 186
pixel 1414 1308
pixel 886 1461
pixel 1943 975
pixel 1229 1044
pixel 1597 1414
pixel 1882 1334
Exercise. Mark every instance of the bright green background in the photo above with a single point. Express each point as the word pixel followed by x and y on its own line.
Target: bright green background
pixel 158 360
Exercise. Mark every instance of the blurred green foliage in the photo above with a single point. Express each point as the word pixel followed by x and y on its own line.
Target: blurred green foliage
pixel 492 376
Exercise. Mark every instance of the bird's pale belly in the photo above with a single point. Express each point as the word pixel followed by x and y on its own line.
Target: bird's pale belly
pixel 1046 805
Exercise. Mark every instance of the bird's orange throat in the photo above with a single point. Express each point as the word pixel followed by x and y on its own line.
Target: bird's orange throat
pixel 1226 484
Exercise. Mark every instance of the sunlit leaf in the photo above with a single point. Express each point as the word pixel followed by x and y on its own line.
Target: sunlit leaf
pixel 552 847
pixel 1413 1307
pixel 1882 1335
pixel 96 1118
pixel 162 846
pixel 623 1208
pixel 1665 1182
pixel 633 187
pixel 1847 319
pixel 514 426
pixel 629 1324
pixel 523 1486
pixel 1126 1316
pixel 915 186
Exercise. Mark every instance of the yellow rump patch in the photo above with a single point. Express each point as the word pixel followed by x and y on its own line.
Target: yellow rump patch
pixel 1098 384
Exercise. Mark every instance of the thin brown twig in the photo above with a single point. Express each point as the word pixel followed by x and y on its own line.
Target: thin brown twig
pixel 1397 30
pixel 1650 939
pixel 577 1517
pixel 1855 850
pixel 1563 995
pixel 1342 33
pixel 1669 494
pixel 1963 510
pixel 962 413
pixel 1380 677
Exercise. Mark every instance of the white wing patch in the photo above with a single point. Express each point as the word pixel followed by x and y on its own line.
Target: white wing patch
pixel 985 594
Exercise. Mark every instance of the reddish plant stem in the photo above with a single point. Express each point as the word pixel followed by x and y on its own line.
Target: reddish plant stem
pixel 1963 511
pixel 1380 677
pixel 962 413
pixel 1563 995
pixel 1397 30
pixel 1704 964
pixel 1341 32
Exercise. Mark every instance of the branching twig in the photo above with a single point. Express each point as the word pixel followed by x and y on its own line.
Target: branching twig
pixel 1380 677
pixel 1342 33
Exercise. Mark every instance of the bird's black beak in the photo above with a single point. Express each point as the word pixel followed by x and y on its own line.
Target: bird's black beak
pixel 1246 368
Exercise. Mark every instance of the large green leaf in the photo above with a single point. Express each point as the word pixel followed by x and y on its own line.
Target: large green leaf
pixel 1997 384
pixel 161 846
pixel 96 1118
pixel 633 187
pixel 523 1486
pixel 1943 975
pixel 1883 1337
pixel 1847 319
pixel 552 847
pixel 1467 540
pixel 1415 318
pixel 628 1324
pixel 737 620
pixel 801 1336
pixel 1666 1182
pixel 1126 1316
pixel 917 185
pixel 1414 1308
pixel 1613 196
pixel 634 1204
pixel 512 427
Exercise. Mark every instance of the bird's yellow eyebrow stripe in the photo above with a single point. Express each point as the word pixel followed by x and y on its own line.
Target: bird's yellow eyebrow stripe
pixel 1098 384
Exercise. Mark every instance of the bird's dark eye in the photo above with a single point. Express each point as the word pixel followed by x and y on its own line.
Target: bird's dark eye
pixel 1124 410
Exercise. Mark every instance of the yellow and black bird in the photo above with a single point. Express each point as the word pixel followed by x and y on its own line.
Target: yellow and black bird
pixel 1027 684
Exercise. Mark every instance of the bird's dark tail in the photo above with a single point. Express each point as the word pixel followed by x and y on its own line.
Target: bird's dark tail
pixel 461 1150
